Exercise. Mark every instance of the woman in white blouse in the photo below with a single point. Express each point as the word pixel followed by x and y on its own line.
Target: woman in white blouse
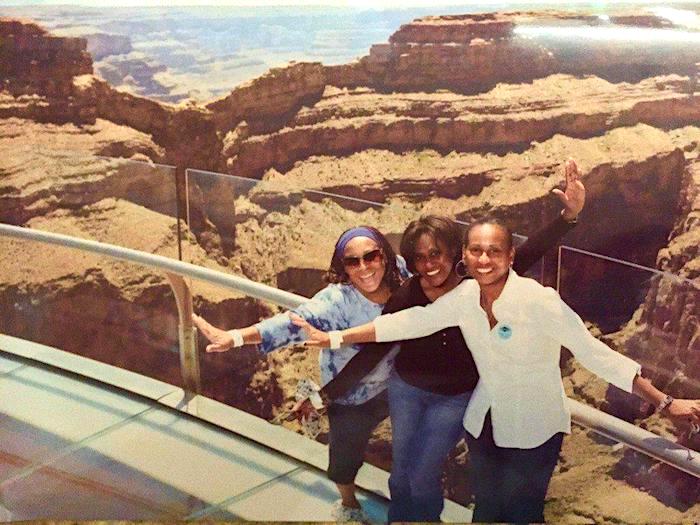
pixel 518 414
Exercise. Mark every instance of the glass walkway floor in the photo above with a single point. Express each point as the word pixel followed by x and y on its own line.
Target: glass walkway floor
pixel 74 448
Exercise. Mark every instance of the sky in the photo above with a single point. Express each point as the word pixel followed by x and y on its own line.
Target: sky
pixel 365 4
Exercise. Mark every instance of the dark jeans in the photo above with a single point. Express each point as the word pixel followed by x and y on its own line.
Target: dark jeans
pixel 510 484
pixel 424 428
pixel 350 427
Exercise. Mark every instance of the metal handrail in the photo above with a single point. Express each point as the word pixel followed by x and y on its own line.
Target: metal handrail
pixel 635 437
pixel 609 426
pixel 233 282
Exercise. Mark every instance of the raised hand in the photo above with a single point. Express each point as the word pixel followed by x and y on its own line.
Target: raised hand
pixel 573 197
pixel 314 336
pixel 220 340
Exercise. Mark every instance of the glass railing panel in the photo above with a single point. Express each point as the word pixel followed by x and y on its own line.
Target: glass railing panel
pixel 651 317
pixel 275 235
pixel 111 311
pixel 647 314
pixel 604 292
pixel 118 201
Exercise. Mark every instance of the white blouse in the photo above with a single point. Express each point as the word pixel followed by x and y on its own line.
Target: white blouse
pixel 518 360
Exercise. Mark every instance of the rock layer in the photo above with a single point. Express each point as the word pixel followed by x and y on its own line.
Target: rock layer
pixel 35 62
pixel 460 115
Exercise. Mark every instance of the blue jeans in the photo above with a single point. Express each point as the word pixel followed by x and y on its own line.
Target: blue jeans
pixel 424 428
pixel 510 484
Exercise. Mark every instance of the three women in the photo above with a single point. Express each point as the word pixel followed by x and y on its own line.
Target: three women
pixel 364 273
pixel 517 415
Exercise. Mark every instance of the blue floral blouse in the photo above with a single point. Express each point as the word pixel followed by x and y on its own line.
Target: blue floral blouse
pixel 336 307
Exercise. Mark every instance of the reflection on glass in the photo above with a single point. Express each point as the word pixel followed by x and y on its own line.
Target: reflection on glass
pixel 645 313
pixel 117 201
pixel 108 310
pixel 604 292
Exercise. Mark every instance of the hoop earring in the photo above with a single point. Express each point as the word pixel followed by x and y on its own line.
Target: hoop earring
pixel 461 269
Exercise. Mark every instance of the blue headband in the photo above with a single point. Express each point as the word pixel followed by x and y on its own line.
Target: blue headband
pixel 360 231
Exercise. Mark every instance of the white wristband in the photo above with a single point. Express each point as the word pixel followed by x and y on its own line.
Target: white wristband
pixel 237 338
pixel 336 338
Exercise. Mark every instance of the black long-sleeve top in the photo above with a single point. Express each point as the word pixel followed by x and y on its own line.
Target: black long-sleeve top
pixel 440 363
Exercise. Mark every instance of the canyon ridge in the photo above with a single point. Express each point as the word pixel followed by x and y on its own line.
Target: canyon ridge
pixel 460 115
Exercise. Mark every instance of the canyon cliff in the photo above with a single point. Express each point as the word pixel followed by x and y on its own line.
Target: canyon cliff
pixel 460 115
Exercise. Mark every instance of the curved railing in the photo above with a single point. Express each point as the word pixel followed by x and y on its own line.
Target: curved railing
pixel 637 438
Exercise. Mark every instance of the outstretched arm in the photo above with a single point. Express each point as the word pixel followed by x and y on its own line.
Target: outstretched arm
pixel 221 340
pixel 314 337
pixel 278 331
pixel 564 325
pixel 411 323
pixel 573 199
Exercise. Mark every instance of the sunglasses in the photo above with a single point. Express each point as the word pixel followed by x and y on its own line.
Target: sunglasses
pixel 369 257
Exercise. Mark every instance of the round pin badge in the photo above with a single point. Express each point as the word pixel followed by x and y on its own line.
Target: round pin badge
pixel 504 331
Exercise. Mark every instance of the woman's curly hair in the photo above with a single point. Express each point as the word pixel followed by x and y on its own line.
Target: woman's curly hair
pixel 438 227
pixel 392 277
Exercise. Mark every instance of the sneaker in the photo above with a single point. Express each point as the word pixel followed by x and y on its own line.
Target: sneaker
pixel 341 513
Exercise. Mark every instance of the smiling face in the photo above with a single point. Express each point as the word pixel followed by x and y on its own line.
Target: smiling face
pixel 488 255
pixel 365 275
pixel 432 260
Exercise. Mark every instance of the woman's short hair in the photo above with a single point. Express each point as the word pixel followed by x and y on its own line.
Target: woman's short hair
pixel 440 228
pixel 495 221
pixel 336 271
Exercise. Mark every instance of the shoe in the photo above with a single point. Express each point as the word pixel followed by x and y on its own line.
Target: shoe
pixel 341 513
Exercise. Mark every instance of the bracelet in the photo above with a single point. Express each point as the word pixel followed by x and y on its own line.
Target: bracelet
pixel 237 338
pixel 664 403
pixel 336 338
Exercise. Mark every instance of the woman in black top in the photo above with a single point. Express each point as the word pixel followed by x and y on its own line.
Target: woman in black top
pixel 435 375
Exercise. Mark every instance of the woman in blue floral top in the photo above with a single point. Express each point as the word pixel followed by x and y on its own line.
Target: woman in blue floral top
pixel 363 273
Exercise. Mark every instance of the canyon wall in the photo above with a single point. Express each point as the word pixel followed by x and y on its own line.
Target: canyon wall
pixel 461 115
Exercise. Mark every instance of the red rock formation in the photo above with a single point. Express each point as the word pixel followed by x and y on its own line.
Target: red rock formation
pixel 348 122
pixel 469 53
pixel 454 29
pixel 261 123
pixel 265 101
pixel 34 62
pixel 382 127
